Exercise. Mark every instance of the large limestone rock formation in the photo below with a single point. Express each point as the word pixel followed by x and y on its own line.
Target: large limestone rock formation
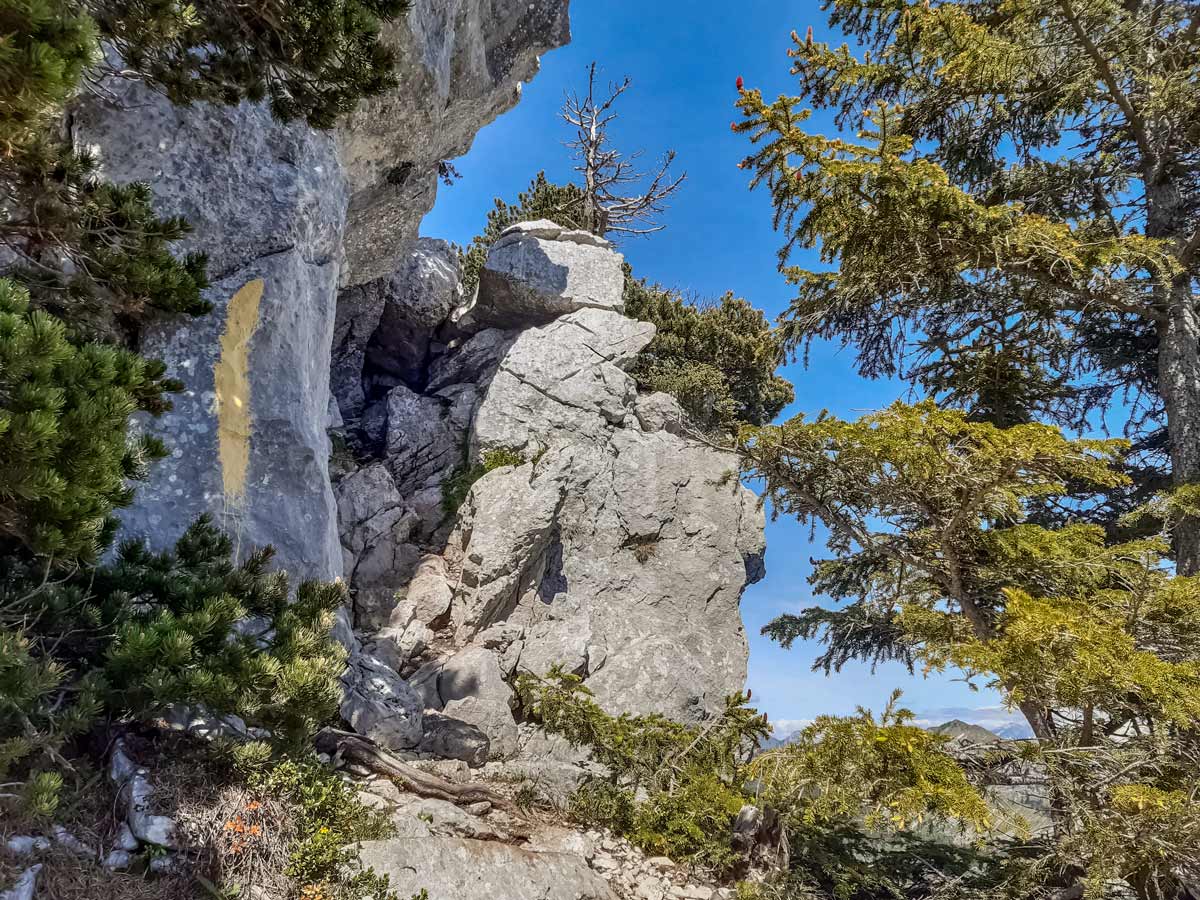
pixel 287 214
pixel 610 542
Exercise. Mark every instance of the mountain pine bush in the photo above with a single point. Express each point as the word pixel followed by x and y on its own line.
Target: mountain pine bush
pixel 718 360
pixel 126 640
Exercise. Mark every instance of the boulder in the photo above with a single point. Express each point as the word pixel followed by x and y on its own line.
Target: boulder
pixel 370 509
pixel 460 869
pixel 396 646
pixel 504 539
pixel 472 687
pixel 446 819
pixel 449 738
pixel 429 593
pixel 423 441
pixel 660 412
pixel 382 573
pixel 538 271
pixel 380 705
pixel 459 66
pixel 562 383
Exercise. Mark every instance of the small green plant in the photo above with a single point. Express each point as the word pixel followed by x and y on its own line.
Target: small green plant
pixel 332 820
pixel 674 789
pixel 458 485
pixel 527 797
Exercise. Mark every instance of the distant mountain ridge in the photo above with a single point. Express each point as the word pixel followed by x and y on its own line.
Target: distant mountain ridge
pixel 956 729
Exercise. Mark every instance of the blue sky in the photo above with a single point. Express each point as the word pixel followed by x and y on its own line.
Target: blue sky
pixel 684 58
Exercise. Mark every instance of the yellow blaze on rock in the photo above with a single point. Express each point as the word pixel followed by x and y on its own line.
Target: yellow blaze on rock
pixel 232 377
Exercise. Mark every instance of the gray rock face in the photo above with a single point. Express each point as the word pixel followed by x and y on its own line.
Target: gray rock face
pixel 619 550
pixel 461 65
pixel 384 328
pixel 268 203
pixel 473 689
pixel 460 869
pixel 538 271
pixel 632 562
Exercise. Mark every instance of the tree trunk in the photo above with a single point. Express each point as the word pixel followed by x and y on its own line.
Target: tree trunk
pixel 1179 382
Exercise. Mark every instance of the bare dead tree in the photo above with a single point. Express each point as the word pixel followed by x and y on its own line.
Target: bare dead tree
pixel 618 197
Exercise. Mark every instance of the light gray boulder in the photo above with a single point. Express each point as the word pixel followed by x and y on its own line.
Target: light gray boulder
pixel 461 869
pixel 429 594
pixel 538 271
pixel 26 844
pixel 396 646
pixel 660 412
pixel 562 383
pixel 145 825
pixel 379 704
pixel 472 687
pixel 504 540
pixel 446 819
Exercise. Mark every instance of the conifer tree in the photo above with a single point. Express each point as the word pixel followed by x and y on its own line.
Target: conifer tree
pixel 1016 221
pixel 129 639
pixel 936 564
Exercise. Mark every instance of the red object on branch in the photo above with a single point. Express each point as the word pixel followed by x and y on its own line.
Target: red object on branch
pixel 741 83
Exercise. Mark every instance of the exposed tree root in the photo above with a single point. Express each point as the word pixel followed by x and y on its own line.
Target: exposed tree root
pixel 358 749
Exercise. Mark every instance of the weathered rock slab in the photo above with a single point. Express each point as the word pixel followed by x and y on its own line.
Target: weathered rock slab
pixel 380 705
pixel 459 869
pixel 538 271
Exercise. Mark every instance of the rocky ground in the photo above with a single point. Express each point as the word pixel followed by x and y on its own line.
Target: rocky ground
pixel 480 853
